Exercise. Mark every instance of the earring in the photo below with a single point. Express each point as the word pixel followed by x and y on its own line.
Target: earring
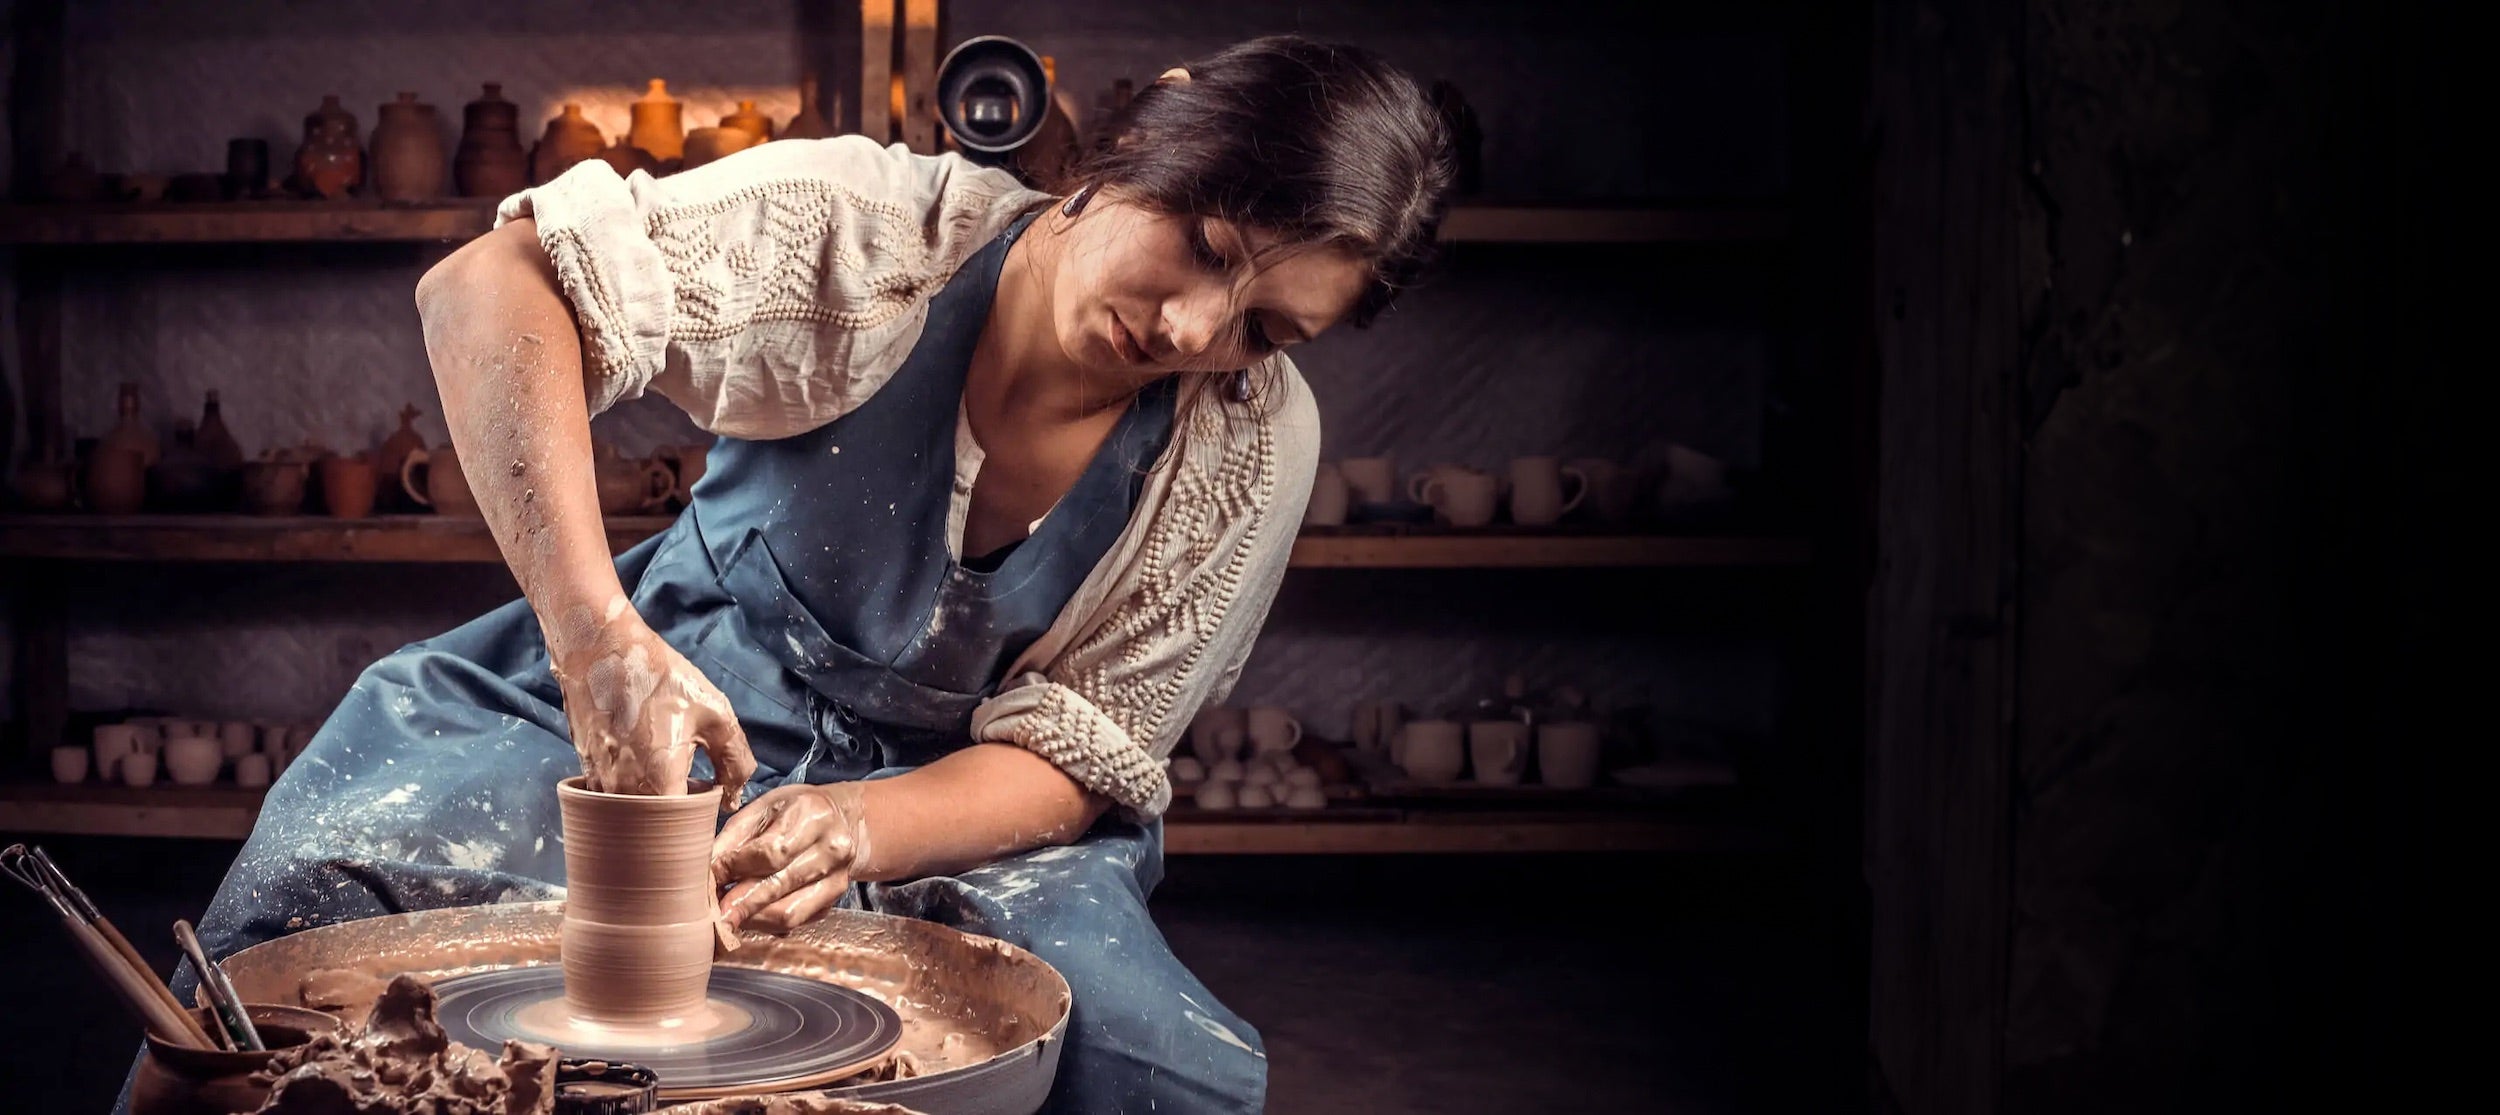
pixel 1076 201
pixel 1239 388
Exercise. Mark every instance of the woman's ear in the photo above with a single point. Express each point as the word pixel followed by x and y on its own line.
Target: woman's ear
pixel 1176 75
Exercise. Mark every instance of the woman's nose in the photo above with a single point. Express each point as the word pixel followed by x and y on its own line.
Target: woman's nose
pixel 1194 321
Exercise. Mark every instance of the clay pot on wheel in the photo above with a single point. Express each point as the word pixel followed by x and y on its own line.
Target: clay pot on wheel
pixel 639 904
pixel 178 1079
pixel 443 488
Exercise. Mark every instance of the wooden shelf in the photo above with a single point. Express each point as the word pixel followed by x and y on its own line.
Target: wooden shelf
pixel 227 812
pixel 249 222
pixel 458 219
pixel 431 538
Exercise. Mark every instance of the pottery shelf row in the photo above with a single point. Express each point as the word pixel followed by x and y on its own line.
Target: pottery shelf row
pixel 454 220
pixel 430 538
pixel 226 813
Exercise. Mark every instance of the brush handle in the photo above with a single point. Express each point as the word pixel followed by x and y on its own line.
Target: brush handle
pixel 152 1012
pixel 218 991
pixel 130 956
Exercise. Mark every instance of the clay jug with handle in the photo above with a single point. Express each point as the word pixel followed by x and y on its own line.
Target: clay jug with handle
pixel 443 488
pixel 395 449
pixel 569 139
pixel 407 151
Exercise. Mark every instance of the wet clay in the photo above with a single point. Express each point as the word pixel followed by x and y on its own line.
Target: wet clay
pixel 638 710
pixel 638 912
pixel 400 1063
pixel 801 1104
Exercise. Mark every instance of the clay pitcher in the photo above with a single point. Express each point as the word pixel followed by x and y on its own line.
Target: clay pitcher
pixel 407 151
pixel 395 449
pixel 444 489
pixel 747 120
pixel 639 904
pixel 491 162
pixel 570 138
pixel 659 123
pixel 331 161
pixel 705 145
pixel 347 486
pixel 179 1079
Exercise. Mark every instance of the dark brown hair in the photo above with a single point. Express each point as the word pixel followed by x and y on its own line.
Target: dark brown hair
pixel 1319 143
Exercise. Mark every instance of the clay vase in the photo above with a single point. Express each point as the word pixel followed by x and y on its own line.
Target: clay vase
pixel 639 905
pixel 627 159
pixel 704 145
pixel 810 123
pixel 184 479
pixel 129 432
pixel 117 482
pixel 347 486
pixel 44 485
pixel 273 487
pixel 659 123
pixel 491 162
pixel 395 449
pixel 178 1079
pixel 331 162
pixel 569 139
pixel 443 489
pixel 747 120
pixel 407 151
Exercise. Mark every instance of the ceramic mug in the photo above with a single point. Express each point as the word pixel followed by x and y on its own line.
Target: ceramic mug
pixel 1216 734
pixel 1370 479
pixel 1614 491
pixel 1464 498
pixel 69 764
pixel 1567 752
pixel 1432 751
pixel 1329 496
pixel 1375 725
pixel 1694 479
pixel 1500 751
pixel 112 742
pixel 138 768
pixel 1273 731
pixel 1536 490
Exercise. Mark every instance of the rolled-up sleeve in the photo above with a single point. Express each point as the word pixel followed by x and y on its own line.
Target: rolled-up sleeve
pixel 591 224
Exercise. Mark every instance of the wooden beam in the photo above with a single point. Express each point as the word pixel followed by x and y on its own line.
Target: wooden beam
pixel 876 69
pixel 248 222
pixel 920 59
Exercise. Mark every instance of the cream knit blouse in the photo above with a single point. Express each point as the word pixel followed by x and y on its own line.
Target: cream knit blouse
pixel 775 290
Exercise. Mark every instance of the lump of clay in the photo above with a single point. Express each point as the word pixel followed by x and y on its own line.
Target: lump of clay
pixel 401 1063
pixel 797 1104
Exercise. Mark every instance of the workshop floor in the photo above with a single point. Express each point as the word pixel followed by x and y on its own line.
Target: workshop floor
pixel 1387 985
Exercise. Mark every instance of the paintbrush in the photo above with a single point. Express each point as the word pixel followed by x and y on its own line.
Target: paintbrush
pixel 85 909
pixel 141 992
pixel 222 1001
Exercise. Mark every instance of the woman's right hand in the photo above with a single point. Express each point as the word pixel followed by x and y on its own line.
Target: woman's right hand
pixel 639 710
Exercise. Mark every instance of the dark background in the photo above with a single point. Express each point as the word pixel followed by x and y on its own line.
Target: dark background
pixel 2110 366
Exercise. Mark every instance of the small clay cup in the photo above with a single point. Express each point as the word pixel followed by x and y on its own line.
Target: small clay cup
pixel 348 486
pixel 175 1078
pixel 138 768
pixel 69 764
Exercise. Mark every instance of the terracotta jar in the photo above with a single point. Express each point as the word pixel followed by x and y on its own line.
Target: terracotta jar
pixel 627 159
pixel 128 431
pixel 659 123
pixel 747 120
pixel 491 162
pixel 347 486
pixel 394 449
pixel 407 151
pixel 569 139
pixel 331 162
pixel 704 145
pixel 273 487
pixel 810 123
pixel 176 1079
pixel 444 489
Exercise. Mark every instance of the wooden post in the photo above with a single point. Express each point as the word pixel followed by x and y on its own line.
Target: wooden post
pixel 1946 121
pixel 920 43
pixel 876 69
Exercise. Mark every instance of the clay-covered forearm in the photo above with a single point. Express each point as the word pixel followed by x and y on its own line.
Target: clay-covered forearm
pixel 508 361
pixel 972 807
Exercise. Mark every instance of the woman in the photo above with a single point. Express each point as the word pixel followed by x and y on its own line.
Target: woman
pixel 1004 486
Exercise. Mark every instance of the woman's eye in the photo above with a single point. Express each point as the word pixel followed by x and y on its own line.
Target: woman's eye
pixel 1203 248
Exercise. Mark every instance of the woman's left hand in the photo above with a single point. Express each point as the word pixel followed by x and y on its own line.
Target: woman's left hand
pixel 788 855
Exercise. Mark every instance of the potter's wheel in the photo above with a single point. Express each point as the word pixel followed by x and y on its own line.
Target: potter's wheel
pixel 785 1031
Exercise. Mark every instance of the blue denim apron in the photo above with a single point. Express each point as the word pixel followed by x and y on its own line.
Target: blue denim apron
pixel 811 581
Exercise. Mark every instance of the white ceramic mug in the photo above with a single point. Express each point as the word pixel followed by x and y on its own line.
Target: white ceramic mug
pixel 1567 752
pixel 1273 731
pixel 1209 737
pixel 1500 751
pixel 1370 479
pixel 1536 490
pixel 1463 497
pixel 1614 491
pixel 1328 498
pixel 1432 752
pixel 69 764
pixel 112 741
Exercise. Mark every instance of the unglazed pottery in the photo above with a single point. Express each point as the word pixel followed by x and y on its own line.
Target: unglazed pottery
pixel 407 151
pixel 1499 750
pixel 1432 752
pixel 251 771
pixel 394 450
pixel 443 488
pixel 347 486
pixel 216 442
pixel 174 1078
pixel 112 742
pixel 704 145
pixel 1216 794
pixel 811 122
pixel 129 431
pixel 331 161
pixel 1216 734
pixel 491 162
pixel 1567 753
pixel 117 482
pixel 235 738
pixel 69 764
pixel 1538 490
pixel 747 120
pixel 1273 731
pixel 273 487
pixel 1256 796
pixel 184 479
pixel 1187 768
pixel 192 760
pixel 659 124
pixel 639 904
pixel 570 138
pixel 137 768
pixel 1370 479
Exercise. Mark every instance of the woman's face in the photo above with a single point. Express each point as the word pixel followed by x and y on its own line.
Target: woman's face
pixel 1140 294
